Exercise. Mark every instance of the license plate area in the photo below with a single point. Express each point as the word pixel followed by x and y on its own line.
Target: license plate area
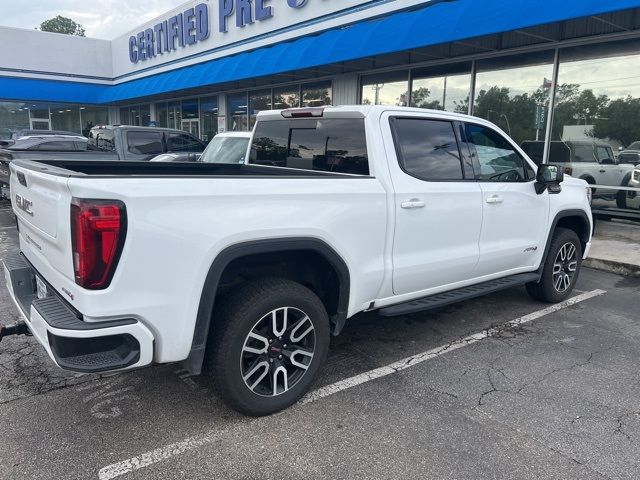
pixel 41 288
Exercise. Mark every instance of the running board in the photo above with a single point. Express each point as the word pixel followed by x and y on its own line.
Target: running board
pixel 459 295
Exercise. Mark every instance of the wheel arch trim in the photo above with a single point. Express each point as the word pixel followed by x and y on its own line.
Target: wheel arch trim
pixel 554 225
pixel 194 361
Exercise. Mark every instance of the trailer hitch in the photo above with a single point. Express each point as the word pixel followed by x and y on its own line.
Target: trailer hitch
pixel 19 328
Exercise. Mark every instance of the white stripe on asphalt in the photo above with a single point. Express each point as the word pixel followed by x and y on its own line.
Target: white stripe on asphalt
pixel 175 449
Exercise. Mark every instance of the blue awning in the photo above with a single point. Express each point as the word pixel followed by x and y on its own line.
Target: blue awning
pixel 439 23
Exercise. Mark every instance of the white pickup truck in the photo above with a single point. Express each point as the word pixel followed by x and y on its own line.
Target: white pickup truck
pixel 244 271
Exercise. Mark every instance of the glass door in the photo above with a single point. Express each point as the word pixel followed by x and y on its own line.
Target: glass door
pixel 191 126
pixel 40 124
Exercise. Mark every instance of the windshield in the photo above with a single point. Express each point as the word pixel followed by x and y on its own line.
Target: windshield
pixel 225 150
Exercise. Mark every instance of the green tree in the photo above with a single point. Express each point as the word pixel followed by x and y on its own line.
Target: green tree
pixel 420 99
pixel 60 24
pixel 619 120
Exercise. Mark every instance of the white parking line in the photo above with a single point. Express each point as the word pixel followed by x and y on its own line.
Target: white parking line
pixel 169 451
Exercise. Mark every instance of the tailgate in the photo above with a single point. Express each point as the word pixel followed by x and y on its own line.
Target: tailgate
pixel 42 203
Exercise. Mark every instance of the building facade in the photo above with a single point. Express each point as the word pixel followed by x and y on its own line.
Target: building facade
pixel 543 71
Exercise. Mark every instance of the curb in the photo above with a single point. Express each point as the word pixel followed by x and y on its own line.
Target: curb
pixel 619 268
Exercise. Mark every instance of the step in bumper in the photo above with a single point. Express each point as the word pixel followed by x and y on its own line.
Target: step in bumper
pixel 71 342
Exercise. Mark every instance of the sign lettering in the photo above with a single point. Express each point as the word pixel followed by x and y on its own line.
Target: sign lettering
pixel 193 26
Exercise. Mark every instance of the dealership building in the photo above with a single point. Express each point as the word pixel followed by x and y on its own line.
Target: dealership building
pixel 540 69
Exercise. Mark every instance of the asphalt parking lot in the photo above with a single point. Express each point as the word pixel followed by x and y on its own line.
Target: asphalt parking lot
pixel 507 388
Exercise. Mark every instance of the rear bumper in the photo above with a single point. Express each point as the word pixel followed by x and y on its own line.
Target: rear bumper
pixel 71 342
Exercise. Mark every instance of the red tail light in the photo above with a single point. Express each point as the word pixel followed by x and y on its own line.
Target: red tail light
pixel 568 171
pixel 98 230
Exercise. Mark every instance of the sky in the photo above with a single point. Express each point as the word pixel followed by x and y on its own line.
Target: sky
pixel 106 19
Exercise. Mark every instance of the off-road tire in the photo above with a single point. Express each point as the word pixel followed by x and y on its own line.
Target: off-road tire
pixel 545 290
pixel 235 318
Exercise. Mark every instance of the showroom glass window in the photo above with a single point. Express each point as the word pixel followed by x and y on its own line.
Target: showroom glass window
pixel 39 111
pixel 162 113
pixel 145 115
pixel 65 117
pixel 134 115
pixel 428 149
pixel 513 93
pixel 286 97
pixel 175 115
pixel 391 88
pixel 597 113
pixel 598 95
pixel 442 88
pixel 259 100
pixel 317 94
pixel 92 116
pixel 209 117
pixel 237 109
pixel 124 116
pixel 13 117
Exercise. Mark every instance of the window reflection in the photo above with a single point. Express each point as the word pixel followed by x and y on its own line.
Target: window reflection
pixel 596 117
pixel 442 88
pixel 386 89
pixel 514 96
pixel 237 106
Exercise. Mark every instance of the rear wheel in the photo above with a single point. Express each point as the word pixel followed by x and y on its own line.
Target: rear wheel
pixel 561 268
pixel 270 338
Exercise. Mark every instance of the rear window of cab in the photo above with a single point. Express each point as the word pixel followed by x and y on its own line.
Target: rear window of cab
pixel 323 144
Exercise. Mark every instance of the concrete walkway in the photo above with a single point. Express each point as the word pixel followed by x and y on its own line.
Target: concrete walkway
pixel 616 247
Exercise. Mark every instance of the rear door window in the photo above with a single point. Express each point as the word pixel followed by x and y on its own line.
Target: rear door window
pixel 583 153
pixel 428 149
pixel 327 144
pixel 144 143
pixel 181 142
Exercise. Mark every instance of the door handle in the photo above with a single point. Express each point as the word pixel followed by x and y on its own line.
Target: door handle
pixel 603 171
pixel 495 199
pixel 413 203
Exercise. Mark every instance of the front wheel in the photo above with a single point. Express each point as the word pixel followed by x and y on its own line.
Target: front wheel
pixel 268 341
pixel 561 268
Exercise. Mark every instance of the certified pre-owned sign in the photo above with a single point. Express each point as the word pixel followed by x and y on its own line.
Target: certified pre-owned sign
pixel 193 26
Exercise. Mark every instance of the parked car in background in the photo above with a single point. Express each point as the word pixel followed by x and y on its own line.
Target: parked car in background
pixel 45 147
pixel 228 147
pixel 105 143
pixel 63 143
pixel 632 198
pixel 631 154
pixel 143 143
pixel 593 162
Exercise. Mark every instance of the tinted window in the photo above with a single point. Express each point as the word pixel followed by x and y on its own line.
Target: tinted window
pixel 498 160
pixel 428 149
pixel 145 143
pixel 181 142
pixel 583 153
pixel 604 153
pixel 330 145
pixel 65 146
